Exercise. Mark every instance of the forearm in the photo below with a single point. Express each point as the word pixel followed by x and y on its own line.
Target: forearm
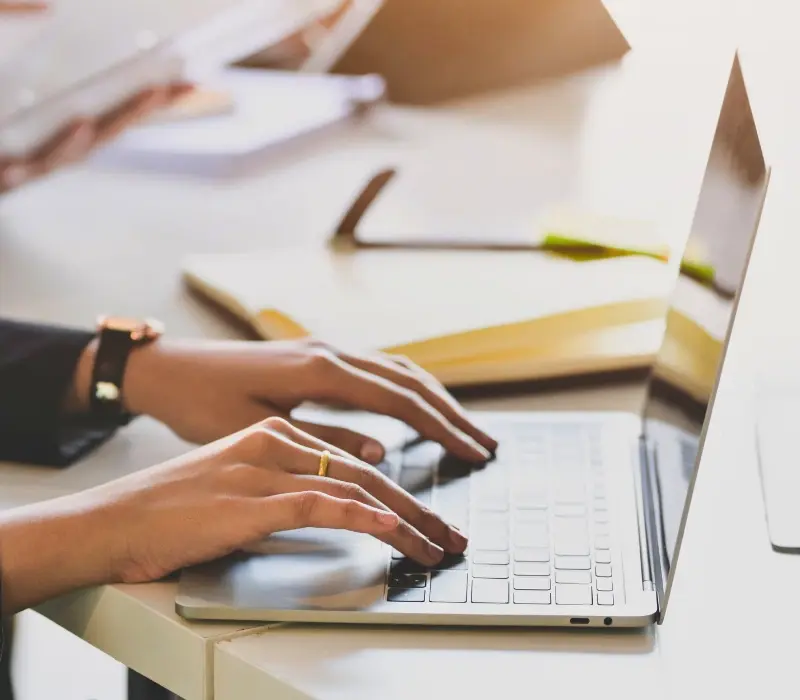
pixel 49 549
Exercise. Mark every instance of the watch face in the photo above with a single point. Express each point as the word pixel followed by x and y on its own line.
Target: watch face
pixel 138 329
pixel 119 323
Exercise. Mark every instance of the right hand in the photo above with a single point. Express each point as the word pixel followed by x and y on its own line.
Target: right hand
pixel 208 503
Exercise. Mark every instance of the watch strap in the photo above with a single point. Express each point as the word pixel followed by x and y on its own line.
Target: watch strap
pixel 114 348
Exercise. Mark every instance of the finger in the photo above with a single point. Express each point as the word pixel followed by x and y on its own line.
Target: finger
pixel 69 145
pixel 178 90
pixel 291 511
pixel 405 538
pixel 337 380
pixel 22 8
pixel 301 453
pixel 13 174
pixel 354 443
pixel 133 110
pixel 405 373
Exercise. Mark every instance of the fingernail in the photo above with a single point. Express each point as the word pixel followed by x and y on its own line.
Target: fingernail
pixel 483 452
pixel 388 519
pixel 458 539
pixel 436 552
pixel 490 443
pixel 372 452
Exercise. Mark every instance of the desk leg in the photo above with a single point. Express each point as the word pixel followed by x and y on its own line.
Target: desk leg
pixel 141 688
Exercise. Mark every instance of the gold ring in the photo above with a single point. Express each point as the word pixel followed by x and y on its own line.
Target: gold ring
pixel 324 460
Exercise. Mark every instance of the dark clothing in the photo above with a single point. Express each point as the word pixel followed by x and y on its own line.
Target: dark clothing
pixel 36 367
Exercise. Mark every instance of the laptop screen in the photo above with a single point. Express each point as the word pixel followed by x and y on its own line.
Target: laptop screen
pixel 685 375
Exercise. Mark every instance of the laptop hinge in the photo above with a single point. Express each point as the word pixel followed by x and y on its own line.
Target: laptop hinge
pixel 646 560
pixel 653 527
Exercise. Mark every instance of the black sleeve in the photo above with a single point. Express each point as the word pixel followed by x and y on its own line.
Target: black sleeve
pixel 36 367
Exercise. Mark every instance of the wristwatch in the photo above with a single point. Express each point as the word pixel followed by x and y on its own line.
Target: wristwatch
pixel 117 337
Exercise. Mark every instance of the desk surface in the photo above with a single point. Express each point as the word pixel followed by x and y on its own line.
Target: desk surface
pixel 117 228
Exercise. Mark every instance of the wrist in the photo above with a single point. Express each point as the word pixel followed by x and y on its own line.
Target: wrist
pixel 141 379
pixel 145 378
pixel 76 399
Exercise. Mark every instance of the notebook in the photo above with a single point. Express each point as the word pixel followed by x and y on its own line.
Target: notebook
pixel 469 317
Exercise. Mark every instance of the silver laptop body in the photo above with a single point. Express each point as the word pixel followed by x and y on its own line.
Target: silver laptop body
pixel 579 518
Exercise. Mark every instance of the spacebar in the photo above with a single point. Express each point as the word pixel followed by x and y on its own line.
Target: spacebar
pixel 449 587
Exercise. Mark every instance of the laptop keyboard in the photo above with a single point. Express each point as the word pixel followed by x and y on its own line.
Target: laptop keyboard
pixel 537 518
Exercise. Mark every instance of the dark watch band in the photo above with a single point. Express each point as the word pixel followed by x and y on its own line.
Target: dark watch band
pixel 113 350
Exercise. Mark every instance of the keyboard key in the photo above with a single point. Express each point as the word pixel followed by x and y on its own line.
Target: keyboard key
pixel 532 597
pixel 602 542
pixel 605 599
pixel 496 558
pixel 415 480
pixel 573 563
pixel 486 590
pixel 567 594
pixel 489 571
pixel 570 510
pixel 493 541
pixel 531 538
pixel 528 568
pixel 601 517
pixel 602 556
pixel 390 467
pixel 570 527
pixel 603 570
pixel 406 595
pixel 497 505
pixel 574 577
pixel 572 547
pixel 524 517
pixel 531 501
pixel 451 561
pixel 453 469
pixel 489 526
pixel 531 554
pixel 407 566
pixel 408 581
pixel 532 583
pixel 449 587
pixel 600 504
pixel 604 584
pixel 424 455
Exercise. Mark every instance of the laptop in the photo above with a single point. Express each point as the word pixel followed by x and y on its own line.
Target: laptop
pixel 579 518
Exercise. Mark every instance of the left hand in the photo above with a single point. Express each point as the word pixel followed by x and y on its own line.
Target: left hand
pixel 80 137
pixel 205 390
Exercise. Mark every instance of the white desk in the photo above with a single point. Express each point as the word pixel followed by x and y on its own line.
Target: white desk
pixel 88 241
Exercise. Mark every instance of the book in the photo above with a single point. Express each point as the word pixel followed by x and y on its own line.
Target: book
pixel 468 317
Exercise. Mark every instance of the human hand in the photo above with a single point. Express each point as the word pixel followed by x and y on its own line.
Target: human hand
pixel 76 140
pixel 208 503
pixel 205 390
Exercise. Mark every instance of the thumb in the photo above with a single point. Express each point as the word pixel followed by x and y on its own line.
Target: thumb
pixel 365 448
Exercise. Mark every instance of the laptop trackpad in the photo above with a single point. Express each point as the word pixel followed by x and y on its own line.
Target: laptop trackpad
pixel 302 569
